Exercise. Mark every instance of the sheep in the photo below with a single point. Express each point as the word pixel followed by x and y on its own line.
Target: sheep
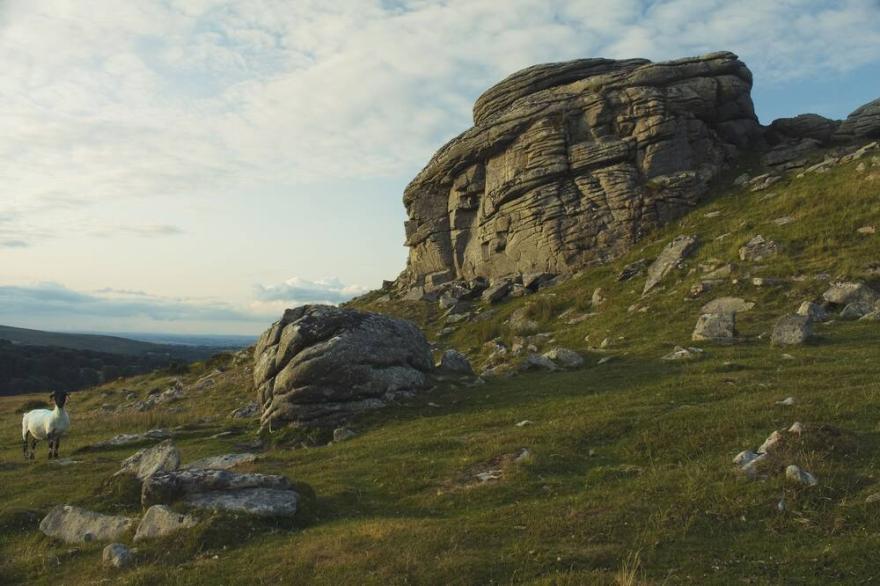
pixel 43 424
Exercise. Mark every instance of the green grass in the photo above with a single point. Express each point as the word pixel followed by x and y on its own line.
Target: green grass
pixel 630 478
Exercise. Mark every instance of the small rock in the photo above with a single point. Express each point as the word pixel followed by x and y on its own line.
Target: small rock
pixel 524 456
pixel 251 409
pixel 867 230
pixel 741 180
pixel 797 474
pixel 715 327
pixel 148 461
pixel 679 353
pixel 565 358
pixel 160 520
pixel 496 293
pixel 796 427
pixel 873 498
pixel 787 402
pixel 791 330
pixel 783 220
pixel 604 360
pixel 670 257
pixel 745 457
pixel 773 441
pixel 814 311
pixel 524 423
pixel 767 281
pixel 632 270
pixel 117 555
pixel 758 249
pixel 341 434
pixel 455 362
pixel 598 297
pixel 538 361
pixel 727 305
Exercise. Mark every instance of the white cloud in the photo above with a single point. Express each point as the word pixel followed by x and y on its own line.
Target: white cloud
pixel 298 291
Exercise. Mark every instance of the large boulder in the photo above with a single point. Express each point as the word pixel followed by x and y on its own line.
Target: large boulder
pixel 571 163
pixel 791 330
pixel 75 525
pixel 810 126
pixel 715 327
pixel 864 122
pixel 159 520
pixel 320 364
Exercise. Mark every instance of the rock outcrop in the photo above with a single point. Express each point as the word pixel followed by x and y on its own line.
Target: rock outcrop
pixel 75 525
pixel 864 122
pixel 320 364
pixel 570 163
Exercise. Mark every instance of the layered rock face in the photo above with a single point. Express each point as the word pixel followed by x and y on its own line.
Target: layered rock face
pixel 320 364
pixel 570 163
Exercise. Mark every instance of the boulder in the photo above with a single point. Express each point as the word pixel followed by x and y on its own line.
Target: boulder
pixel 715 327
pixel 569 164
pixel 160 521
pixel 250 409
pixel 598 297
pixel 679 353
pixel 864 122
pixel 75 525
pixel 632 270
pixel 565 358
pixel 670 258
pixel 727 305
pixel 343 434
pixel 791 154
pixel 535 281
pixel 800 476
pixel 117 556
pixel 146 462
pixel 224 462
pixel 455 362
pixel 535 361
pixel 758 249
pixel 260 502
pixel 791 330
pixel 844 293
pixel 320 364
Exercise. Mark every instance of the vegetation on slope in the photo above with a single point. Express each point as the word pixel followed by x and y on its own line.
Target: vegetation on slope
pixel 629 476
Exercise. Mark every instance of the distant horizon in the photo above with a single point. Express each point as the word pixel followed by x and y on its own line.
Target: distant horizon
pixel 187 169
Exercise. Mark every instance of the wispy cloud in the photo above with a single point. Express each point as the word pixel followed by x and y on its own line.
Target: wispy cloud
pixel 13 244
pixel 148 231
pixel 298 291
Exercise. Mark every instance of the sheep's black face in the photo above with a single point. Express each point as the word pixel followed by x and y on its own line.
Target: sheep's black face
pixel 60 398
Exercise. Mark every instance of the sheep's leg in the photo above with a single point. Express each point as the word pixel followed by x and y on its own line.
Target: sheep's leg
pixel 51 441
pixel 57 445
pixel 33 447
pixel 24 444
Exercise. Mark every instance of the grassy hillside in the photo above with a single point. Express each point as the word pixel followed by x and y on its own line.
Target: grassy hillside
pixel 98 343
pixel 628 475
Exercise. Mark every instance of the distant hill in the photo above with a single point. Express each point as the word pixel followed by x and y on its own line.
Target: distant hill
pixel 34 360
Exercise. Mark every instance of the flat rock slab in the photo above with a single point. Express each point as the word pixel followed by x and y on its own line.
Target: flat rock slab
pixel 167 487
pixel 727 305
pixel 125 439
pixel 148 461
pixel 75 525
pixel 262 502
pixel 224 462
pixel 159 521
pixel 670 258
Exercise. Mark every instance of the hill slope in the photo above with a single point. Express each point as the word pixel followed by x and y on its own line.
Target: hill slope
pixel 628 474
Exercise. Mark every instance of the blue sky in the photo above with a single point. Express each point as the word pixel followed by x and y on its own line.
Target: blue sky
pixel 196 166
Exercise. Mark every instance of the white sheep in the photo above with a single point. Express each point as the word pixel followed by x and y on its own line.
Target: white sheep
pixel 43 424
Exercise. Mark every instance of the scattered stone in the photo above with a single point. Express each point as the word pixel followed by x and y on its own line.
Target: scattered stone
pixel 758 249
pixel 598 297
pixel 867 230
pixel 721 273
pixel 873 316
pixel 752 468
pixel 767 281
pixel 225 462
pixel 342 434
pixel 711 215
pixel 488 475
pixel 856 310
pixel 873 498
pixel 146 462
pixel 75 525
pixel 727 305
pixel 604 360
pixel 565 358
pixel 796 427
pixel 762 182
pixel 745 457
pixel 788 402
pixel 844 293
pixel 535 281
pixel 797 474
pixel 715 327
pixel 632 270
pixel 160 520
pixel 117 556
pixel 538 362
pixel 791 330
pixel 679 353
pixel 782 221
pixel 773 441
pixel 251 409
pixel 813 311
pixel 454 361
pixel 496 293
pixel 523 456
pixel 741 180
pixel 671 257
pixel 521 323
pixel 524 423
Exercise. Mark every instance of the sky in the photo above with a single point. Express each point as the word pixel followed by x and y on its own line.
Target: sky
pixel 196 166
